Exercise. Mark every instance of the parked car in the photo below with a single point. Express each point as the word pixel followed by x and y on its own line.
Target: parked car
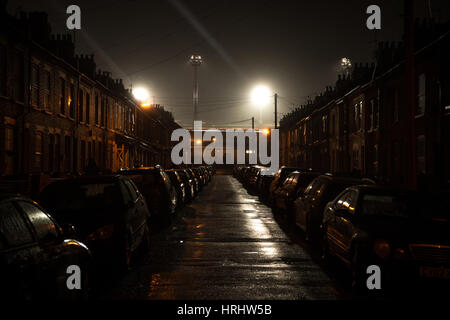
pixel 200 176
pixel 280 176
pixel 264 182
pixel 178 183
pixel 158 191
pixel 295 183
pixel 252 177
pixel 206 173
pixel 188 182
pixel 196 179
pixel 309 205
pixel 108 212
pixel 35 252
pixel 372 225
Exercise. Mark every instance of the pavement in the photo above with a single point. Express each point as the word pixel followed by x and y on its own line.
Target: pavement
pixel 226 244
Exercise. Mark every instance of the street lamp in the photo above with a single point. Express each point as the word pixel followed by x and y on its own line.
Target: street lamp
pixel 260 96
pixel 195 60
pixel 142 96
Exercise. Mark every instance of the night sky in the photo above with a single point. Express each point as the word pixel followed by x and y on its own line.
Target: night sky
pixel 292 46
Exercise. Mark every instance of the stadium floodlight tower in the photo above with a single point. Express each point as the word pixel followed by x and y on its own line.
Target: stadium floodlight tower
pixel 195 60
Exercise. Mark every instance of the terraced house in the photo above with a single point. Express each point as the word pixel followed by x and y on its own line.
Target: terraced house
pixel 58 112
pixel 372 124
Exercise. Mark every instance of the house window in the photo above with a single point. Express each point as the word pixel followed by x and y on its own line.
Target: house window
pixel 80 105
pixel 421 94
pixel 47 91
pixel 421 154
pixel 324 124
pixel 88 107
pixel 3 71
pixel 374 114
pixel 35 86
pixel 358 116
pixel 71 102
pixel 102 112
pixel 38 150
pixel 115 115
pixel 62 96
pixel 96 109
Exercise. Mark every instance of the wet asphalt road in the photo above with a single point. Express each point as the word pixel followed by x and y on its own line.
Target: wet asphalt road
pixel 226 244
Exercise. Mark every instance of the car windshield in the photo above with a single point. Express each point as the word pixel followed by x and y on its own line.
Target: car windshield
pixel 78 197
pixel 385 205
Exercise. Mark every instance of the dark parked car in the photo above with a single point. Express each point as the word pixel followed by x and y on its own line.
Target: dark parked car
pixel 35 253
pixel 295 183
pixel 206 173
pixel 108 212
pixel 264 182
pixel 200 176
pixel 188 182
pixel 158 190
pixel 178 183
pixel 280 176
pixel 309 206
pixel 372 225
pixel 196 179
pixel 252 177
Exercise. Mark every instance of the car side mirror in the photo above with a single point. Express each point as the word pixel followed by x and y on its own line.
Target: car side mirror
pixel 68 230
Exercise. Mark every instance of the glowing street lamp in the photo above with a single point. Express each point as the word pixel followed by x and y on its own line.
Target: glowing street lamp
pixel 260 95
pixel 142 96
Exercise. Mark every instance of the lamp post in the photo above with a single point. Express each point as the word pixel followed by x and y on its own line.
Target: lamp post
pixel 195 61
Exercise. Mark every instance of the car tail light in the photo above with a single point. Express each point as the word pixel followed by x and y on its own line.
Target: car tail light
pixel 102 233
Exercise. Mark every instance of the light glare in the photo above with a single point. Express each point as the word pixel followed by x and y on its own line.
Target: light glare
pixel 260 95
pixel 141 94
